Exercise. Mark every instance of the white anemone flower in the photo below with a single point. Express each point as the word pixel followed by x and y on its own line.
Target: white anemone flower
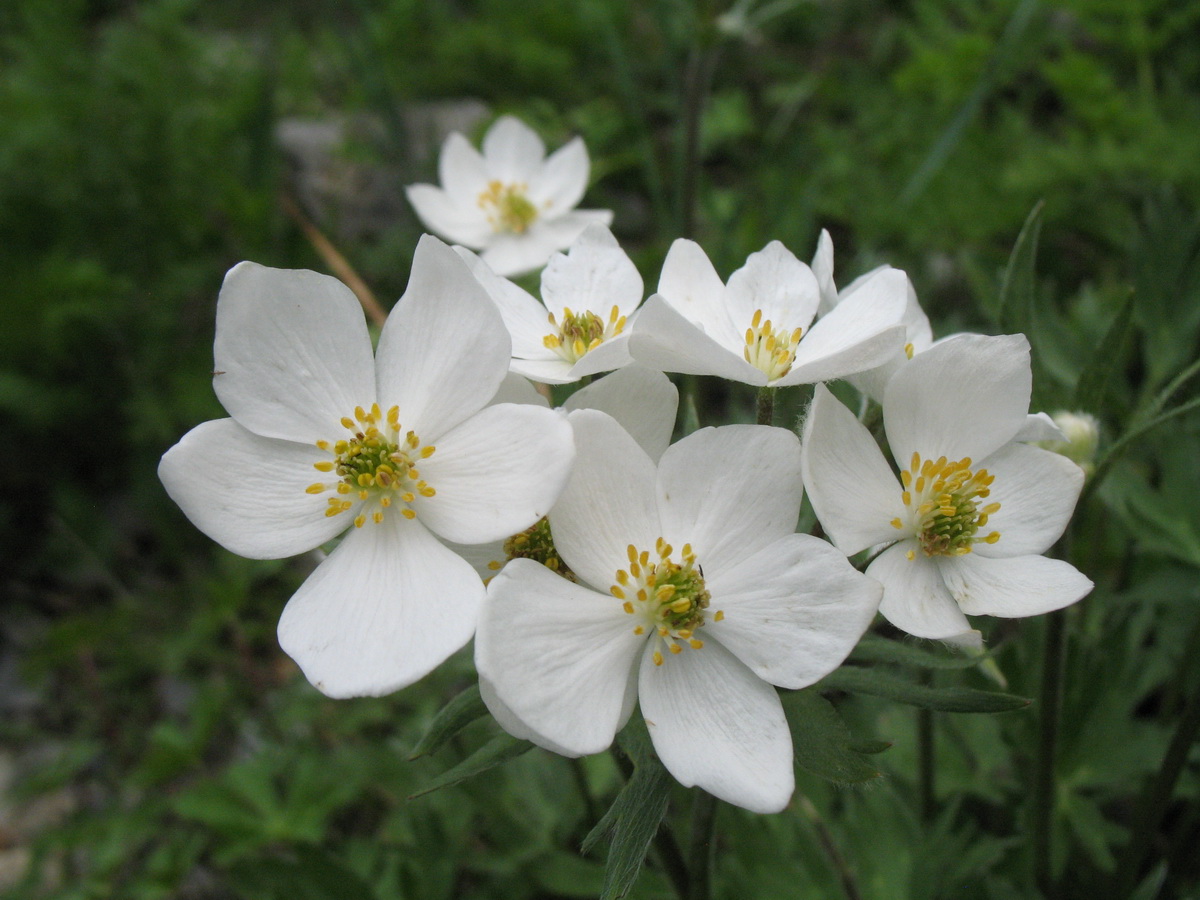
pixel 511 202
pixel 973 509
pixel 398 448
pixel 759 328
pixel 694 598
pixel 918 334
pixel 590 297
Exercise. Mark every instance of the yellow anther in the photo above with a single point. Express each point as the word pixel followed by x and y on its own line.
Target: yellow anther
pixel 695 643
pixel 408 514
pixel 628 607
pixel 377 516
pixel 314 489
pixel 675 648
pixel 343 488
pixel 719 615
pixel 992 538
pixel 658 658
pixel 323 466
pixel 359 521
pixel 616 591
pixel 908 350
pixel 639 630
pixel 896 523
pixel 495 565
pixel 323 445
pixel 427 451
pixel 348 422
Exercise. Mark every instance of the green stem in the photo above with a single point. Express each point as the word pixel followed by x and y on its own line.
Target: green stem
pixel 926 751
pixel 700 852
pixel 766 406
pixel 1154 802
pixel 1045 787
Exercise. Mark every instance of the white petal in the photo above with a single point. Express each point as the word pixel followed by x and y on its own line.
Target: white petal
pixel 247 492
pixel 915 599
pixel 1036 490
pixel 917 333
pixel 691 285
pixel 512 151
pixel 558 655
pixel 793 611
pixel 496 474
pixel 611 354
pixel 663 339
pixel 965 396
pixel 594 276
pixel 546 371
pixel 852 489
pixel 563 178
pixel 774 281
pixel 717 725
pixel 609 501
pixel 862 332
pixel 1040 427
pixel 386 607
pixel 509 721
pixel 462 172
pixel 292 352
pixel 486 559
pixel 435 209
pixel 518 389
pixel 822 266
pixel 515 254
pixel 524 317
pixel 643 401
pixel 730 491
pixel 1021 586
pixel 444 349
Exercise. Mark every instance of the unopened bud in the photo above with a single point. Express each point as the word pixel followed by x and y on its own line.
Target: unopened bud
pixel 1082 431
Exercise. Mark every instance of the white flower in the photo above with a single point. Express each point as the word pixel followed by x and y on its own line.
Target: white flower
pixel 644 402
pixel 511 202
pixel 695 596
pixel 973 508
pixel 757 328
pixel 918 335
pixel 590 297
pixel 399 448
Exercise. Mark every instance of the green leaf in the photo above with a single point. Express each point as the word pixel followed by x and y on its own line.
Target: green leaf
pixel 859 680
pixel 1095 379
pixel 456 715
pixel 873 648
pixel 821 741
pixel 632 821
pixel 499 749
pixel 312 875
pixel 1017 289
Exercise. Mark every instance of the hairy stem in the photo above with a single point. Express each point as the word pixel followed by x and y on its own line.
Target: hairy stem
pixel 700 852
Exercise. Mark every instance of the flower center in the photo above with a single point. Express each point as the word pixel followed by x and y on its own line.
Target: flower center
pixel 581 332
pixel 770 350
pixel 668 597
pixel 507 208
pixel 943 500
pixel 377 461
pixel 536 543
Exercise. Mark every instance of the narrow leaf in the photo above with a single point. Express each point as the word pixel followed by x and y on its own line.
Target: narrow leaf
pixel 859 680
pixel 632 821
pixel 499 749
pixel 821 741
pixel 456 715
pixel 1105 363
pixel 1017 289
pixel 873 648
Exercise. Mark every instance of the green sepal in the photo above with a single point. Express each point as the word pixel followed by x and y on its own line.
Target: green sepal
pixel 452 718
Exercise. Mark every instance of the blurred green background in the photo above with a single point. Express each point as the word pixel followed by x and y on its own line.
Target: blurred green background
pixel 154 741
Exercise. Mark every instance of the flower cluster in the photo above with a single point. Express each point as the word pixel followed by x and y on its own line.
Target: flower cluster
pixel 600 567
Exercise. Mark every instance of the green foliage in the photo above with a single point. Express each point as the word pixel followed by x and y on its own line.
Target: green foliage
pixel 142 691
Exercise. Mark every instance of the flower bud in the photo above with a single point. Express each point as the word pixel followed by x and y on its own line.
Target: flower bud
pixel 1082 431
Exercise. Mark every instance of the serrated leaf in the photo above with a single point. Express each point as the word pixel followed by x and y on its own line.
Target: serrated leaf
pixel 873 648
pixel 456 715
pixel 821 741
pixel 859 680
pixel 499 749
pixel 1018 288
pixel 1097 376
pixel 632 821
